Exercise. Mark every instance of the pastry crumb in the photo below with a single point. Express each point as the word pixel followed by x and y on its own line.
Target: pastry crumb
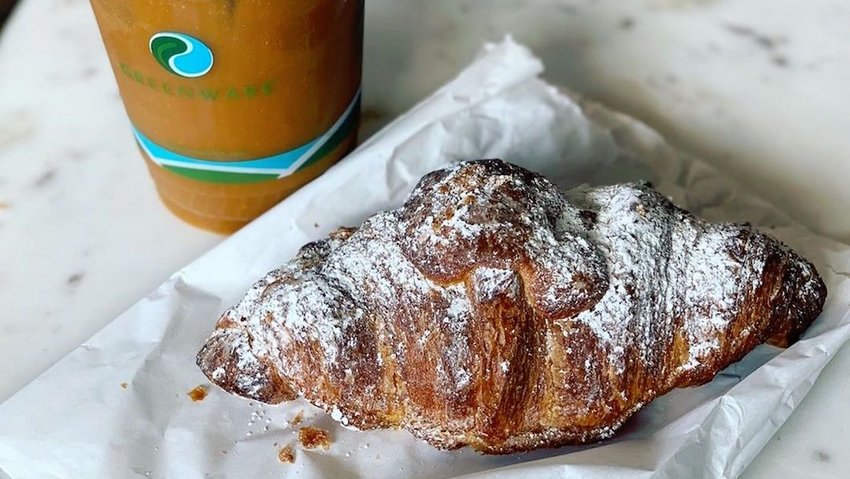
pixel 199 393
pixel 313 438
pixel 286 455
pixel 123 385
pixel 299 416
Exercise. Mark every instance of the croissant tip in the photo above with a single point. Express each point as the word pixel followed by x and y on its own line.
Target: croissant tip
pixel 801 300
pixel 229 362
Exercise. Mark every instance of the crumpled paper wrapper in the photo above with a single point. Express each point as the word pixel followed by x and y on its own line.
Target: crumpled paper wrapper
pixel 78 421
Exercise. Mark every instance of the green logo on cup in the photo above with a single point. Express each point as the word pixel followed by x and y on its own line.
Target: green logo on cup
pixel 181 54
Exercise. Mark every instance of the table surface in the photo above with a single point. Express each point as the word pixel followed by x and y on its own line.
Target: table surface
pixel 757 88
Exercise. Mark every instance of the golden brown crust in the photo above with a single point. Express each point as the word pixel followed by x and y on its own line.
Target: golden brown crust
pixel 495 311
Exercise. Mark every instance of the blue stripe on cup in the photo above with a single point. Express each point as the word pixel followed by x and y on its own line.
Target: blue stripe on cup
pixel 280 165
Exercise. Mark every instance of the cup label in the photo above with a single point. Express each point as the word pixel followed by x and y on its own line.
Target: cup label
pixel 182 55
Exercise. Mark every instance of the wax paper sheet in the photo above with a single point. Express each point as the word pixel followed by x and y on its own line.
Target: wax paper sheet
pixel 117 407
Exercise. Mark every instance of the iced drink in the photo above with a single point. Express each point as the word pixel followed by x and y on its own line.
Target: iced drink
pixel 235 104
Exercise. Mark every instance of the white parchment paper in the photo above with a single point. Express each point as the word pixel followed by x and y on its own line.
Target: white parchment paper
pixel 77 421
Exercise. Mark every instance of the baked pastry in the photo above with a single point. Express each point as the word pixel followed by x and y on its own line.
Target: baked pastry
pixel 494 310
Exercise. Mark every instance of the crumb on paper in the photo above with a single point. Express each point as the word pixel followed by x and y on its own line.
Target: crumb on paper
pixel 315 225
pixel 199 393
pixel 313 438
pixel 299 416
pixel 286 455
pixel 123 385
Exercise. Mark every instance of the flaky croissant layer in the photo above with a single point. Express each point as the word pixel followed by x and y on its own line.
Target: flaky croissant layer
pixel 494 310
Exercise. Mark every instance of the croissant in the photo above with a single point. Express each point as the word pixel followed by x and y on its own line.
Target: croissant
pixel 494 310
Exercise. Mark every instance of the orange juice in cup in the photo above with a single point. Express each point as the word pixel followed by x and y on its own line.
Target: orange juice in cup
pixel 235 104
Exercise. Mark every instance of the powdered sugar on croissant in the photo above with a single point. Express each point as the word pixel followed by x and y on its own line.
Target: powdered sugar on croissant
pixel 495 311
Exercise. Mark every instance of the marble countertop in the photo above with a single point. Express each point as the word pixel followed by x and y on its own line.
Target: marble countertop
pixel 758 88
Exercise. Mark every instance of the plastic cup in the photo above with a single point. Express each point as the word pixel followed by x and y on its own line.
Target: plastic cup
pixel 235 104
